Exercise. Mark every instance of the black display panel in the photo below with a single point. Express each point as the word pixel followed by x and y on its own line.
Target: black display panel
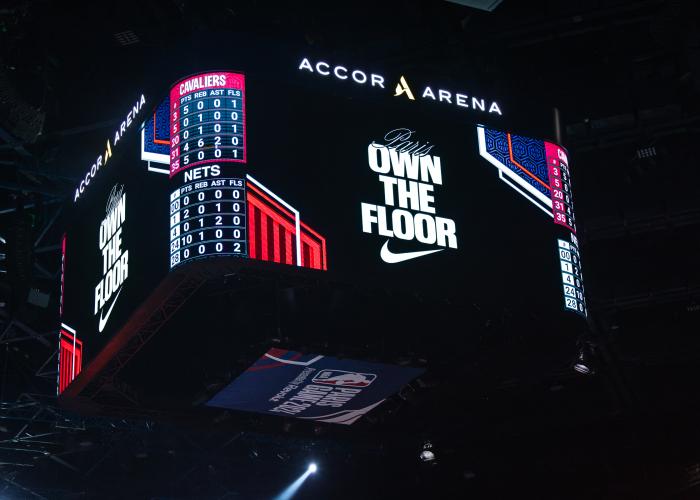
pixel 112 248
pixel 354 176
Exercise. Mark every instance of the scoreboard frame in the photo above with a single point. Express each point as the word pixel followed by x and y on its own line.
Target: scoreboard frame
pixel 181 281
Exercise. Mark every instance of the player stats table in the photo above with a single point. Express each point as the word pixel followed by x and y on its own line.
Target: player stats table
pixel 207 217
pixel 207 150
pixel 207 120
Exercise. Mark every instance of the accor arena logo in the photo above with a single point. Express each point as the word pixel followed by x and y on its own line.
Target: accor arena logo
pixel 402 88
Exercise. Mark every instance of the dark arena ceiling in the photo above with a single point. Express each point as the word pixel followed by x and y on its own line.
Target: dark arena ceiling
pixel 511 418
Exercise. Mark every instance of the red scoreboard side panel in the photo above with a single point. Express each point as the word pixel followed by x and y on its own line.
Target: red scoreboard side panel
pixel 273 230
pixel 70 360
pixel 313 249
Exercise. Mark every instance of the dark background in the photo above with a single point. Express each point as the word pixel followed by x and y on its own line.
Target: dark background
pixel 511 418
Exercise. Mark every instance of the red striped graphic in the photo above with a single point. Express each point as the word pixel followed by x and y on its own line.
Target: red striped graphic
pixel 70 359
pixel 272 233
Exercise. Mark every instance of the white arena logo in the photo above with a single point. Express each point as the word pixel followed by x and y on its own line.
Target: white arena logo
pixel 401 86
pixel 101 160
pixel 342 73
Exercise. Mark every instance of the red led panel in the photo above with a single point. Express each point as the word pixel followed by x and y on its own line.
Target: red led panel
pixel 272 233
pixel 70 359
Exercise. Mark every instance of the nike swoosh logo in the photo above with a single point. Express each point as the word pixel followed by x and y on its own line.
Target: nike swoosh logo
pixel 103 321
pixel 392 258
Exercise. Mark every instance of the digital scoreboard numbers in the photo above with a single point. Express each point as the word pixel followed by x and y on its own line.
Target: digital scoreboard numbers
pixel 208 213
pixel 572 278
pixel 208 218
pixel 207 120
pixel 560 184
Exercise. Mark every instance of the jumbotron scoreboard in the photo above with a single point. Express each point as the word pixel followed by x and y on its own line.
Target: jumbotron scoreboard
pixel 207 133
pixel 238 169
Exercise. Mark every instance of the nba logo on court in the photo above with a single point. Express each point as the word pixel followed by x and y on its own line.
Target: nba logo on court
pixel 342 378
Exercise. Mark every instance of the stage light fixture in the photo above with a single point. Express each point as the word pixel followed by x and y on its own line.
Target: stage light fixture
pixel 585 360
pixel 646 152
pixel 427 454
pixel 313 468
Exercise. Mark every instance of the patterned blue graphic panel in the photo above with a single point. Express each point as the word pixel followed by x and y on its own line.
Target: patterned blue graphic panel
pixel 528 153
pixel 156 131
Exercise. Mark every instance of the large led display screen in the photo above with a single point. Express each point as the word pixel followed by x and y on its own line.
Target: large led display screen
pixel 348 175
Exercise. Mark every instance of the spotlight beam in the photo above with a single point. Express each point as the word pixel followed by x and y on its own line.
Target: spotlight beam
pixel 290 490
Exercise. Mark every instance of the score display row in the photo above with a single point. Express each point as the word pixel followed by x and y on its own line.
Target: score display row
pixel 560 185
pixel 207 120
pixel 208 218
pixel 572 278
